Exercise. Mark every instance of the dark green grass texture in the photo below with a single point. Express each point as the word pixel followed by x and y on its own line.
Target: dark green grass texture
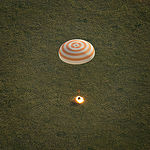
pixel 36 87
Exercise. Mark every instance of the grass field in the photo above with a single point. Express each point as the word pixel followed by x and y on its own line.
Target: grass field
pixel 36 87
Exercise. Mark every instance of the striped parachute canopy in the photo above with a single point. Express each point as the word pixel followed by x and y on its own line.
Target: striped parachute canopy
pixel 76 51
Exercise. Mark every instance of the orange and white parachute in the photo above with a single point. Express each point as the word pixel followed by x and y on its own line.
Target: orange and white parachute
pixel 76 51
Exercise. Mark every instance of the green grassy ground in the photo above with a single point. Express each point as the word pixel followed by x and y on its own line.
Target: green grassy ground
pixel 36 87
